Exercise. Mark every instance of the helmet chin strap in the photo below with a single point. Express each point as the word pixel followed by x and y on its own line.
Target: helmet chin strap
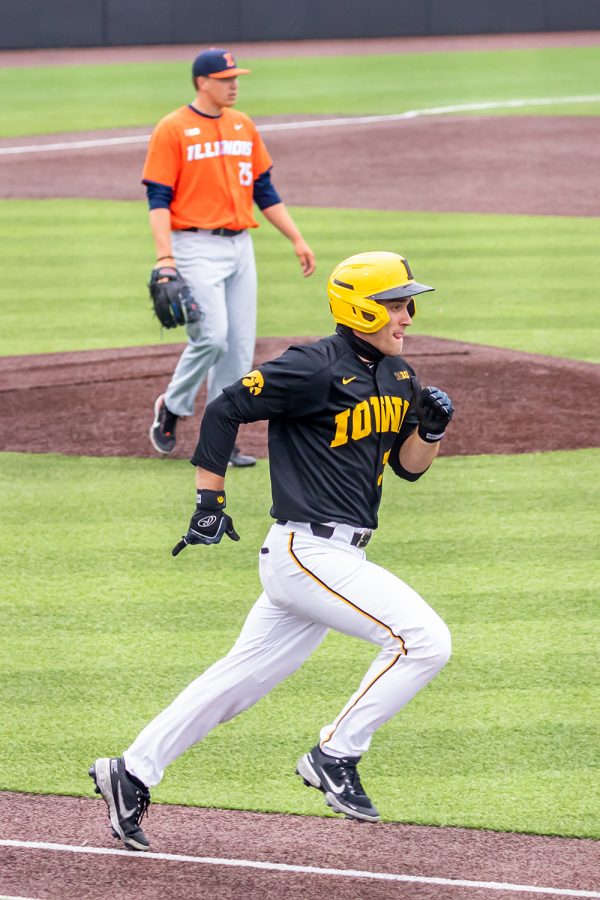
pixel 362 348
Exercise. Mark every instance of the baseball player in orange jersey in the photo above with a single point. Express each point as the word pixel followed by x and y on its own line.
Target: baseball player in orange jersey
pixel 341 411
pixel 206 165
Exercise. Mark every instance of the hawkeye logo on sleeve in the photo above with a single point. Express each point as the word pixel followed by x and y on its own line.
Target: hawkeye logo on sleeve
pixel 254 381
pixel 377 414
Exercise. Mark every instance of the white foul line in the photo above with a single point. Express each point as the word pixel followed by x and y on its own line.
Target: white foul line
pixel 13 897
pixel 314 123
pixel 75 145
pixel 306 870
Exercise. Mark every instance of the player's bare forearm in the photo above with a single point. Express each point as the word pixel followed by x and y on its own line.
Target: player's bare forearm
pixel 160 225
pixel 209 481
pixel 278 216
pixel 416 455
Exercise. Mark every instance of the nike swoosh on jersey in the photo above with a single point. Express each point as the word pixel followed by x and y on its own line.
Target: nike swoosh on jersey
pixel 237 127
pixel 348 380
pixel 125 812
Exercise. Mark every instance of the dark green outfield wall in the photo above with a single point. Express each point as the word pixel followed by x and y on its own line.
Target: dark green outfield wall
pixel 92 23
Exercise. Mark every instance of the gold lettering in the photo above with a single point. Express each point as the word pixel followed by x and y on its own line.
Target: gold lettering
pixel 361 421
pixel 389 418
pixel 404 409
pixel 393 410
pixel 341 433
pixel 384 413
pixel 374 401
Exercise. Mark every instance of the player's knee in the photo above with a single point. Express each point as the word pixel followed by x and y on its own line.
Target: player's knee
pixel 441 644
pixel 213 342
pixel 219 342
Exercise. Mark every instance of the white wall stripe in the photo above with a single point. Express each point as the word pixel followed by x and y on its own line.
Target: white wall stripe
pixel 313 123
pixel 305 870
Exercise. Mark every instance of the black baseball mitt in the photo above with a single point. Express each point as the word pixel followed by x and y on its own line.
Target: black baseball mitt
pixel 171 298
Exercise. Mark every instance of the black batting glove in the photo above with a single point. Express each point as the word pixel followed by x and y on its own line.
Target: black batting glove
pixel 434 410
pixel 209 523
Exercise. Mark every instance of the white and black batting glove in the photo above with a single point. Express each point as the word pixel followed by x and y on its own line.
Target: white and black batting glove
pixel 434 410
pixel 209 523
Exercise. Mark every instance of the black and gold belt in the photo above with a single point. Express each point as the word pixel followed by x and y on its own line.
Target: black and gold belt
pixel 358 539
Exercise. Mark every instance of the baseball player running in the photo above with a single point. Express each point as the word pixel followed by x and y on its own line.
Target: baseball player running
pixel 340 412
pixel 206 165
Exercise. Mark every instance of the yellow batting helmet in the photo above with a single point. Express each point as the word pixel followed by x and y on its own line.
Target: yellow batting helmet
pixel 358 285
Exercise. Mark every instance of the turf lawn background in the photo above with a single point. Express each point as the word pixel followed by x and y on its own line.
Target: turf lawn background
pixel 76 98
pixel 78 272
pixel 109 627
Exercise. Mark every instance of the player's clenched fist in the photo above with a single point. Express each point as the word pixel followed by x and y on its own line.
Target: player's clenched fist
pixel 209 523
pixel 434 409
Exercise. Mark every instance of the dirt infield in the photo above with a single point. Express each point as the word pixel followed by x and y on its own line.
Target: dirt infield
pixel 99 403
pixel 440 863
pixel 442 163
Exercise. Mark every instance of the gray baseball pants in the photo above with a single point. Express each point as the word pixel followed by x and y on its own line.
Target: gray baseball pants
pixel 221 273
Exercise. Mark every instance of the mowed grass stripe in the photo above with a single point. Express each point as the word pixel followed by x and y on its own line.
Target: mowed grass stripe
pixel 523 282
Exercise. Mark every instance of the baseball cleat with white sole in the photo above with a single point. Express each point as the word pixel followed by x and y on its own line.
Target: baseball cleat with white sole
pixel 241 460
pixel 162 431
pixel 127 801
pixel 337 777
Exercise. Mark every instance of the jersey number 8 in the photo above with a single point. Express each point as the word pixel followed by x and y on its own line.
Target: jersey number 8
pixel 245 173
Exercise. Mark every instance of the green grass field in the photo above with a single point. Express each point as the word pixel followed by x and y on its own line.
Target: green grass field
pixel 75 98
pixel 101 627
pixel 109 628
pixel 525 282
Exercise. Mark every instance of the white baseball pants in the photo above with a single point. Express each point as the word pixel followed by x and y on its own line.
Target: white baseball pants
pixel 310 585
pixel 221 273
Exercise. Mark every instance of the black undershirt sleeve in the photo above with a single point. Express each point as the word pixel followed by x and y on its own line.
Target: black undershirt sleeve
pixel 394 460
pixel 294 384
pixel 219 430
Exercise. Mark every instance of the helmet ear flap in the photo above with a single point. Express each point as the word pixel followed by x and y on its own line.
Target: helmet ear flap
pixel 411 307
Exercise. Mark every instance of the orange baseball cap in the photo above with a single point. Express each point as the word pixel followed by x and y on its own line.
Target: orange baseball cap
pixel 216 63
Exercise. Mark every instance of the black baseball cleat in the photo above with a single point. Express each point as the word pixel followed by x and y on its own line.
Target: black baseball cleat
pixel 162 430
pixel 337 777
pixel 127 801
pixel 240 459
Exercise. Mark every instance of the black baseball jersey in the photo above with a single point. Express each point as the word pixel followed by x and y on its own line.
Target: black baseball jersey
pixel 334 423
